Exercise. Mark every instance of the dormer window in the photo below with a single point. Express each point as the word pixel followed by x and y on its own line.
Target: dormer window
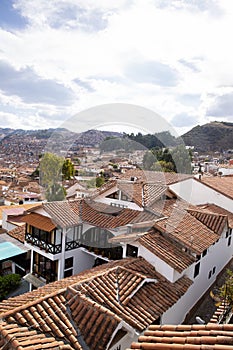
pixel 131 251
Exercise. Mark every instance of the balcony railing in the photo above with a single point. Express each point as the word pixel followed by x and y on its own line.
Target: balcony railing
pixel 72 245
pixel 48 247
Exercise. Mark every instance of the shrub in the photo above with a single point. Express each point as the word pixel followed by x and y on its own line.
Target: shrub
pixel 8 283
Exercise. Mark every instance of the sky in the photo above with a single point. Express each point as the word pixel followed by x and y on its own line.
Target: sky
pixel 60 58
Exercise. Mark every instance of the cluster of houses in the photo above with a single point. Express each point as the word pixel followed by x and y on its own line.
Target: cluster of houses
pixel 112 269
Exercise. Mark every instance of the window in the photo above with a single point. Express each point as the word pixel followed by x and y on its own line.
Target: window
pixel 74 234
pixel 68 271
pixel 229 241
pixel 45 267
pixel 204 253
pixel 69 263
pixel 228 233
pixel 97 237
pixel 131 251
pixel 196 269
pixel 212 272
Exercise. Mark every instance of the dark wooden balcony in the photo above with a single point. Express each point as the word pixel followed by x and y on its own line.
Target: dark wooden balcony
pixel 47 247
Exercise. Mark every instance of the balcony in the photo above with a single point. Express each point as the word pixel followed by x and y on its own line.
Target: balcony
pixel 47 247
pixel 72 245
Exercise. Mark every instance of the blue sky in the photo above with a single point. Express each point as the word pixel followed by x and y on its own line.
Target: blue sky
pixel 59 58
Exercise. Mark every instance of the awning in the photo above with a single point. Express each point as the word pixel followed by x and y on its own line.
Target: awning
pixel 35 281
pixel 39 221
pixel 8 250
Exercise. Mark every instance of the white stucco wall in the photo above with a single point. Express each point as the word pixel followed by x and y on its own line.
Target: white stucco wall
pixel 196 192
pixel 161 266
pixel 218 255
pixel 82 260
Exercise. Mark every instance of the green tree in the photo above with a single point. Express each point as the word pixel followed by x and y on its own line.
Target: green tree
pixel 163 166
pixel 226 291
pixel 51 176
pixel 68 169
pixel 55 192
pixel 182 159
pixel 8 283
pixel 100 181
pixel 148 160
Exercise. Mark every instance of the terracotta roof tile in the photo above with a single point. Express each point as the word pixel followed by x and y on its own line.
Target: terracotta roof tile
pixel 88 307
pixel 186 337
pixel 214 222
pixel 18 233
pixel 64 213
pixel 25 206
pixel 213 208
pixel 91 215
pixel 154 176
pixel 39 221
pixel 223 184
pixel 183 227
pixel 167 250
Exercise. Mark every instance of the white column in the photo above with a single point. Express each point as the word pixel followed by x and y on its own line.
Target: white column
pixel 61 261
pixel 31 264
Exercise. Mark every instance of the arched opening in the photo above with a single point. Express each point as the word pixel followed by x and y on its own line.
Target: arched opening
pixel 96 239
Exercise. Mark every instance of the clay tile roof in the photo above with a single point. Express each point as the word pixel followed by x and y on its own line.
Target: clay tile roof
pixel 104 188
pixel 152 192
pixel 179 337
pixel 64 213
pixel 167 250
pixel 19 337
pixel 214 222
pixel 11 207
pixel 123 290
pixel 99 215
pixel 213 208
pixel 39 221
pixel 86 309
pixel 18 233
pixel 154 176
pixel 184 227
pixel 223 184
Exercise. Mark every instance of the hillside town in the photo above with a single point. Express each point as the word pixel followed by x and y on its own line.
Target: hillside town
pixel 119 265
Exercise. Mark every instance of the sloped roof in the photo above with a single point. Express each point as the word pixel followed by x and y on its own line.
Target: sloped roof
pixel 92 215
pixel 79 309
pixel 165 178
pixel 11 207
pixel 214 222
pixel 209 336
pixel 18 233
pixel 64 213
pixel 39 221
pixel 166 250
pixel 222 184
pixel 213 208
pixel 184 227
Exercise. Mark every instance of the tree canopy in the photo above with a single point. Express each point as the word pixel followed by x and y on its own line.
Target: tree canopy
pixel 176 160
pixel 54 169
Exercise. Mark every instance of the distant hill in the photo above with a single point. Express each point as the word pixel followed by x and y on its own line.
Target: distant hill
pixel 87 138
pixel 95 137
pixel 214 136
pixel 5 132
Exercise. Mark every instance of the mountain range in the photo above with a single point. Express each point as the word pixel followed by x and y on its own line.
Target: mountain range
pixel 211 137
pixel 214 136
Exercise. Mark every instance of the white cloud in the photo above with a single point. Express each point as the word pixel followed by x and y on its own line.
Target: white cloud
pixel 168 56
